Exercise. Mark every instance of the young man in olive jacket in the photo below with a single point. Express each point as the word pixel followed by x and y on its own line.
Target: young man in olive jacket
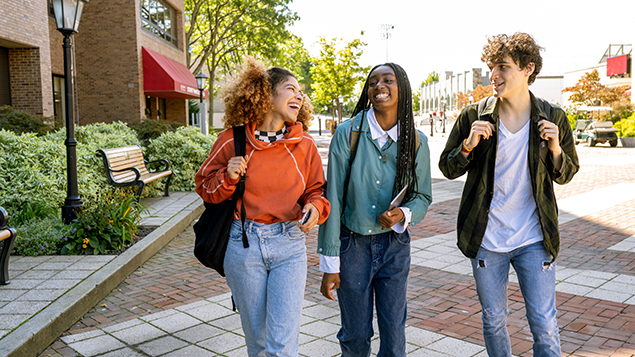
pixel 513 146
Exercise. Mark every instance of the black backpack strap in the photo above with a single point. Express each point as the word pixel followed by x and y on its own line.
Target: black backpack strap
pixel 240 144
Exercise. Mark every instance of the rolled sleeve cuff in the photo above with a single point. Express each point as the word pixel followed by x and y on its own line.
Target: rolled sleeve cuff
pixel 330 265
pixel 400 227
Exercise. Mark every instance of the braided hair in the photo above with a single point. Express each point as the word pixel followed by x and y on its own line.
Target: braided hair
pixel 407 145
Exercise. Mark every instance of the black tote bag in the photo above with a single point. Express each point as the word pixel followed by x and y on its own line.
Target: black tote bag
pixel 213 227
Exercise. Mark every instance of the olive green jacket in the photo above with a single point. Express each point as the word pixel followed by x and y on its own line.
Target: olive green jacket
pixel 480 163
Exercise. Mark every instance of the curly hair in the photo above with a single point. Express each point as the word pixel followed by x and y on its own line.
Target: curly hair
pixel 248 95
pixel 521 47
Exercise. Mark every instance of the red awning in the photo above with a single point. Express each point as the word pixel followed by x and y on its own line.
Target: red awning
pixel 166 78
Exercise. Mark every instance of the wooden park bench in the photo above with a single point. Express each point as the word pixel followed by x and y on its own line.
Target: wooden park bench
pixel 7 237
pixel 126 166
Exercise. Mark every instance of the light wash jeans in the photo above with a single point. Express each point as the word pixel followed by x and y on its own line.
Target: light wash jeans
pixel 267 282
pixel 537 280
pixel 373 267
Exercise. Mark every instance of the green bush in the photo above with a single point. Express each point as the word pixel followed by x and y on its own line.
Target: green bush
pixel 149 130
pixel 31 210
pixel 41 236
pixel 105 226
pixel 626 127
pixel 186 149
pixel 34 167
pixel 20 122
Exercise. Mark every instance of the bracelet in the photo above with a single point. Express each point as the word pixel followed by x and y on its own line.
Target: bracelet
pixel 464 148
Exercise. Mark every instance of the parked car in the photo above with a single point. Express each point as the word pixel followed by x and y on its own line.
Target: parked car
pixel 593 132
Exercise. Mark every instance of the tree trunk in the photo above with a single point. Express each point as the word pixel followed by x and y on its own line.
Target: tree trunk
pixel 212 77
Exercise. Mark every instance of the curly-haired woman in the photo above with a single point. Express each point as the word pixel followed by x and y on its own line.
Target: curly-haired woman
pixel 284 179
pixel 365 244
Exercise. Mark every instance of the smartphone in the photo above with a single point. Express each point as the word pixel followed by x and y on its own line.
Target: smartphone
pixel 305 218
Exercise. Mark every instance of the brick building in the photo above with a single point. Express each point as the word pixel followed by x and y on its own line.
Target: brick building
pixel 129 61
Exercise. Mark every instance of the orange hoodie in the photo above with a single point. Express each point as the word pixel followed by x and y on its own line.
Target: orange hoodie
pixel 281 177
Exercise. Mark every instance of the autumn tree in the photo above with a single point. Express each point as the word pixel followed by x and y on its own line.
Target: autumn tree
pixel 589 91
pixel 480 92
pixel 336 71
pixel 220 33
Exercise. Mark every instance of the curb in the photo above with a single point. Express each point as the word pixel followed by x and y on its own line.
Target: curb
pixel 37 333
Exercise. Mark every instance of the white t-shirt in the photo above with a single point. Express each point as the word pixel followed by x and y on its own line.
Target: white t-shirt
pixel 513 216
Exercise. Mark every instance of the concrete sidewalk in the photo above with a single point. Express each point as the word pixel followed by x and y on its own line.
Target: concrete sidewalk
pixel 172 306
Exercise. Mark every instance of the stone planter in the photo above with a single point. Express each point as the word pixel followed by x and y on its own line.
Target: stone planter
pixel 628 142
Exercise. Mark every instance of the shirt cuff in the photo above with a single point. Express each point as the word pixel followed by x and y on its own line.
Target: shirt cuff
pixel 400 227
pixel 329 264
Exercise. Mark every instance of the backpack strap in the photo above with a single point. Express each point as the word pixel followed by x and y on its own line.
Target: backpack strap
pixel 240 147
pixel 485 102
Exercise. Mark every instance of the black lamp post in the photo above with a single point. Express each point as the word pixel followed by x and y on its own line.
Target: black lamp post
pixel 200 82
pixel 67 15
pixel 443 103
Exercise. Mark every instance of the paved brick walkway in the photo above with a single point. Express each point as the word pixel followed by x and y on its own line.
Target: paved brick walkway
pixel 595 277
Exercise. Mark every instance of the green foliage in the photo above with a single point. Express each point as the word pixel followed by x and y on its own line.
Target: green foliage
pixel 336 71
pixel 30 210
pixel 432 77
pixel 186 150
pixel 41 236
pixel 220 34
pixel 572 120
pixel 34 168
pixel 293 56
pixel 104 226
pixel 149 130
pixel 626 127
pixel 416 100
pixel 20 122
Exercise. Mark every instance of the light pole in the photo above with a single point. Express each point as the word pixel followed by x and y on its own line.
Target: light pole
pixel 443 103
pixel 386 33
pixel 67 15
pixel 202 110
pixel 340 99
pixel 201 79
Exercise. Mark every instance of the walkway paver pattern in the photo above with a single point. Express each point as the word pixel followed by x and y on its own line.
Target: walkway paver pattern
pixel 173 306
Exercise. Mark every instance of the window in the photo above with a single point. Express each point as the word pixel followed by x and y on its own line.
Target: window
pixel 156 17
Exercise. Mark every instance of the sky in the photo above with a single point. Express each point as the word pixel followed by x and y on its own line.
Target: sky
pixel 448 35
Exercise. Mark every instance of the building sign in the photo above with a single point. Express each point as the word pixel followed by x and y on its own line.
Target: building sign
pixel 618 65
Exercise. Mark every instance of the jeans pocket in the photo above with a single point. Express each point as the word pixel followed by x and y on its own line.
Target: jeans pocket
pixel 236 233
pixel 403 238
pixel 294 233
pixel 346 238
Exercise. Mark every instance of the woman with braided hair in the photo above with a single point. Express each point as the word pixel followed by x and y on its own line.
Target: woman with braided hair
pixel 283 180
pixel 365 244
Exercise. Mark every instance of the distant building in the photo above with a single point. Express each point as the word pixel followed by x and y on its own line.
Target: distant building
pixel 446 89
pixel 129 61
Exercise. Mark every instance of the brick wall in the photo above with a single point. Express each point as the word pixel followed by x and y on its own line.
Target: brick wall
pixel 107 75
pixel 24 30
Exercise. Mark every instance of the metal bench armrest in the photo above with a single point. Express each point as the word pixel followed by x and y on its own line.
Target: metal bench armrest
pixel 163 161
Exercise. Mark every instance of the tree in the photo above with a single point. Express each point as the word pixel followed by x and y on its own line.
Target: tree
pixel 432 77
pixel 416 100
pixel 219 33
pixel 480 92
pixel 589 91
pixel 336 72
pixel 293 56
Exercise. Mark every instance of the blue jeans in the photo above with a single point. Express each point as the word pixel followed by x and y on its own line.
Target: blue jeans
pixel 373 266
pixel 267 282
pixel 537 280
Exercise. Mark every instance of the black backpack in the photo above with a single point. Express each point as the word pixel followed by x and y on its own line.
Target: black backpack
pixel 213 227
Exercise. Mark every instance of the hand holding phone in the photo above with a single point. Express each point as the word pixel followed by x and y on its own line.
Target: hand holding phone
pixel 305 218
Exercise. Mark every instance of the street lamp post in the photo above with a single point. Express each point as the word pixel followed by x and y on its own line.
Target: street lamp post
pixel 340 99
pixel 443 103
pixel 201 79
pixel 67 15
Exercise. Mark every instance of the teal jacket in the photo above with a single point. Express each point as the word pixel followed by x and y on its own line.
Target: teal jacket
pixel 370 186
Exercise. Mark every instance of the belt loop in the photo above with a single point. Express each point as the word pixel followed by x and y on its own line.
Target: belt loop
pixel 250 226
pixel 284 227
